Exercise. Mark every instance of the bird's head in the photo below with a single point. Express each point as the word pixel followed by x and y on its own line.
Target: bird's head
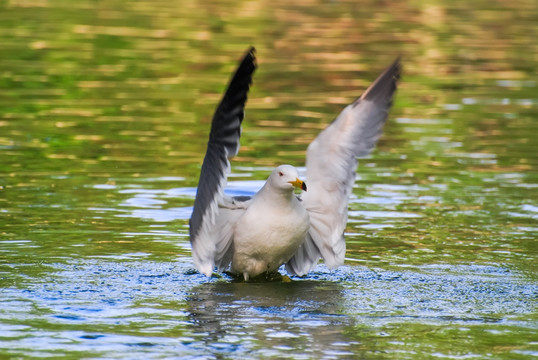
pixel 285 177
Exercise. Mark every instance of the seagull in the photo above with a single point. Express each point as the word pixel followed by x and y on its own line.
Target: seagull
pixel 252 236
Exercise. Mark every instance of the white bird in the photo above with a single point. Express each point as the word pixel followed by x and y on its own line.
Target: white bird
pixel 253 236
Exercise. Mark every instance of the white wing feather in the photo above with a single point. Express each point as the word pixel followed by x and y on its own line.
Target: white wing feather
pixel 331 162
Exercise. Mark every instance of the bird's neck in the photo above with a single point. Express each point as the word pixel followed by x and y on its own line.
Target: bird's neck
pixel 275 195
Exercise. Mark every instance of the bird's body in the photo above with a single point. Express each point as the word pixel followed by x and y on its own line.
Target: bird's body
pixel 251 236
pixel 262 246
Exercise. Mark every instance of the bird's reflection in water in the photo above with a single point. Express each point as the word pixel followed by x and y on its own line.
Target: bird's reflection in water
pixel 296 319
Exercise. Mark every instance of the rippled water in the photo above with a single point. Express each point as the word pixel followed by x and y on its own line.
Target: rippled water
pixel 104 116
pixel 112 305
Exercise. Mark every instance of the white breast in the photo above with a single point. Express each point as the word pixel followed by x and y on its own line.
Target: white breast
pixel 268 235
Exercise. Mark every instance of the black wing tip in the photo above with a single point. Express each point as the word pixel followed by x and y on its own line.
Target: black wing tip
pixel 252 52
pixel 396 68
pixel 386 83
pixel 246 68
pixel 249 59
pixel 233 102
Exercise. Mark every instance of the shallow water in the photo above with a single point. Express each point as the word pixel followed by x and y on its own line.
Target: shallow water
pixel 104 115
pixel 158 309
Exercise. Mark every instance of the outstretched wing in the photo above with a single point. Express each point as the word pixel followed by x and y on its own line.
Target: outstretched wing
pixel 331 162
pixel 206 239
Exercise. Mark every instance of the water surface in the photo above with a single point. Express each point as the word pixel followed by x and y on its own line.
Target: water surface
pixel 104 114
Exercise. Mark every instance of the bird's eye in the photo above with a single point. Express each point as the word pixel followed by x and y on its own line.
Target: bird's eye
pixel 280 173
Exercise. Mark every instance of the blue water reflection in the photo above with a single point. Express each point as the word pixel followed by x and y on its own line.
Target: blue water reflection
pixel 110 305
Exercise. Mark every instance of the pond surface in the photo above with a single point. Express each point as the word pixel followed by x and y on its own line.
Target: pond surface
pixel 104 116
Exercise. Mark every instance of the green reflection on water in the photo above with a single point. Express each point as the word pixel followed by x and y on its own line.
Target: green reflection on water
pixel 104 115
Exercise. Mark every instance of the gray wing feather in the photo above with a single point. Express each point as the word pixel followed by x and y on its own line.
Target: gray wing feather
pixel 331 162
pixel 223 144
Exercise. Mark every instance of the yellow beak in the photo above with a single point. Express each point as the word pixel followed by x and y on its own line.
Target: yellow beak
pixel 299 184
